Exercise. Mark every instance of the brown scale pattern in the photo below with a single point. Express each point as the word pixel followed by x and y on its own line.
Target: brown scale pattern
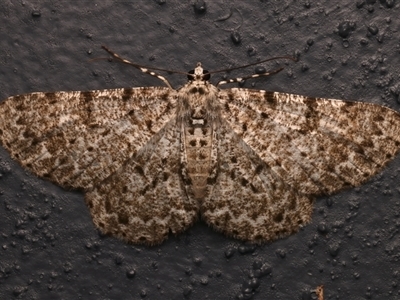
pixel 145 199
pixel 317 145
pixel 249 201
pixel 79 138
pixel 151 160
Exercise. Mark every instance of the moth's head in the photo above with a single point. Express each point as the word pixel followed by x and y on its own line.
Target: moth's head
pixel 199 74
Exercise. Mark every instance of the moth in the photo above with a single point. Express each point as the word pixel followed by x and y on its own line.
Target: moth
pixel 152 160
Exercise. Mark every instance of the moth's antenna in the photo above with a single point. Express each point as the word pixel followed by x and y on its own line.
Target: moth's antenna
pixel 119 58
pixel 253 64
pixel 254 75
pixel 144 69
pixel 239 79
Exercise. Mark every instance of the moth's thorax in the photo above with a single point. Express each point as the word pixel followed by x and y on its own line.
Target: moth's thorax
pixel 198 100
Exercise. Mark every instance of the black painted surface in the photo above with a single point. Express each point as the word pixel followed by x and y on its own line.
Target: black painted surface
pixel 50 248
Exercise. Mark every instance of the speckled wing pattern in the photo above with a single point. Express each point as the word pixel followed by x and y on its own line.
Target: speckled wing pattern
pixel 248 199
pixel 144 200
pixel 78 139
pixel 278 151
pixel 151 160
pixel 316 145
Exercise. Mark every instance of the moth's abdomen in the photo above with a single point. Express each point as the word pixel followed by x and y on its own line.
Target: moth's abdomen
pixel 198 142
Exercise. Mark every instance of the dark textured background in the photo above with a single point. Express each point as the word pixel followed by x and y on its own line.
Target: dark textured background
pixel 49 247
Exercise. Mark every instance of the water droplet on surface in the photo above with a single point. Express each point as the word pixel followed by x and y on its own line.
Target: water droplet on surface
pixel 204 281
pixel 304 67
pixel 143 293
pixel 229 252
pixel 322 228
pixel 264 270
pixel 67 267
pixel 281 253
pixel 260 70
pixel 130 273
pixel 36 14
pixel 373 29
pixel 199 7
pixel 189 272
pixel 345 28
pixel 334 249
pixel 197 261
pixel 251 51
pixel 380 37
pixel 236 38
pixel 244 249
